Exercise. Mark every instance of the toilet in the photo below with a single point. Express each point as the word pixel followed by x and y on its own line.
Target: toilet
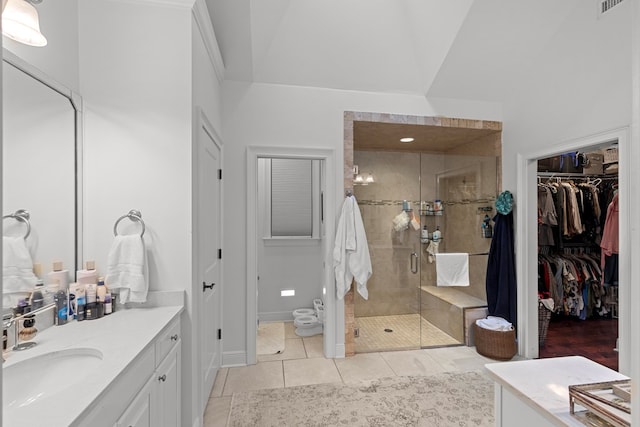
pixel 309 321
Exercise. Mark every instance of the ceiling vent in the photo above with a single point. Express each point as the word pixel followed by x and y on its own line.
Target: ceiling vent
pixel 606 5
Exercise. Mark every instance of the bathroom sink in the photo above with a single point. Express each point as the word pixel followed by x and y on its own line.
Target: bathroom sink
pixel 34 380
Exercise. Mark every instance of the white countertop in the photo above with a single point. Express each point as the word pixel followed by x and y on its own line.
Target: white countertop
pixel 120 337
pixel 543 383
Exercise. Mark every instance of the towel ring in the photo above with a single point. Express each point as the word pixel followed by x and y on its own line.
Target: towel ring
pixel 23 216
pixel 133 215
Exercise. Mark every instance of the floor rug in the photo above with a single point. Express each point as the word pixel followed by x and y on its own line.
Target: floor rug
pixel 270 338
pixel 448 399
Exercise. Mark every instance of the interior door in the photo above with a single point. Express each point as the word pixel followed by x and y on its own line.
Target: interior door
pixel 209 244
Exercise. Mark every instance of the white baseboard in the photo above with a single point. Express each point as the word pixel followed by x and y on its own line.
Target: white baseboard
pixel 340 351
pixel 276 316
pixel 234 358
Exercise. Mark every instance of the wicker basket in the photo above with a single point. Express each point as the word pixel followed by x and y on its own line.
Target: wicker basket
pixel 544 316
pixel 499 345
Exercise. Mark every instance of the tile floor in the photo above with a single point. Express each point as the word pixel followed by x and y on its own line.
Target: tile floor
pixel 409 331
pixel 303 363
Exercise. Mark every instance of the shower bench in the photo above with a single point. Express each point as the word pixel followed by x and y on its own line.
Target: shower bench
pixel 452 310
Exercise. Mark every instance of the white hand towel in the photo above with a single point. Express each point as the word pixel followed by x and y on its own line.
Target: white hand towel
pixel 127 268
pixel 17 271
pixel 432 249
pixel 495 323
pixel 452 269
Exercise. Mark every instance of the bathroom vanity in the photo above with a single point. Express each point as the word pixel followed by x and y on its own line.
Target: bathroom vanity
pixel 120 370
pixel 535 393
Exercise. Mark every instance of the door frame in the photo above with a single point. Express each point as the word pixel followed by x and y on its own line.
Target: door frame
pixel 527 240
pixel 328 155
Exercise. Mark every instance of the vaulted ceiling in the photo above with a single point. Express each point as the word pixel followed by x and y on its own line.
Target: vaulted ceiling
pixel 450 49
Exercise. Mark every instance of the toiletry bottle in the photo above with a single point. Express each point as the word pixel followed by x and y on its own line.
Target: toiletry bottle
pixel 101 293
pixel 61 308
pixel 81 301
pixel 71 302
pixel 37 295
pixel 108 306
pixel 424 235
pixel 88 275
pixel 59 274
pixel 437 235
pixel 90 310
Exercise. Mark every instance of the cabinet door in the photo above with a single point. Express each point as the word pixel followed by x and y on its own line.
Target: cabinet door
pixel 168 386
pixel 140 411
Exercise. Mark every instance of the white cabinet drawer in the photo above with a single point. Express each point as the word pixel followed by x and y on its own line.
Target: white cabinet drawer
pixel 167 339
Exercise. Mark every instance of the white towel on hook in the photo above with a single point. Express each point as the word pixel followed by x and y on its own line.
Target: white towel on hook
pixel 452 269
pixel 351 259
pixel 18 279
pixel 127 269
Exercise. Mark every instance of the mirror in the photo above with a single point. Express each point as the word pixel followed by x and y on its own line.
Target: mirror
pixel 39 163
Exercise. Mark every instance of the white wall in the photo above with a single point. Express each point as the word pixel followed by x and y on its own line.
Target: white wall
pixel 290 116
pixel 138 131
pixel 579 85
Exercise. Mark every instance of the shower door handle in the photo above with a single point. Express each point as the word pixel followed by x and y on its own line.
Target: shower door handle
pixel 414 262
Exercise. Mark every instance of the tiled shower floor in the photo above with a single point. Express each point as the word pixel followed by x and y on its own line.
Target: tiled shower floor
pixel 409 331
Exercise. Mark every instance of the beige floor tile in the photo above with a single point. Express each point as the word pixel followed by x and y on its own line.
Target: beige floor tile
pixel 460 358
pixel 314 346
pixel 289 330
pixel 412 362
pixel 218 385
pixel 363 367
pixel 293 349
pixel 217 412
pixel 310 371
pixel 254 377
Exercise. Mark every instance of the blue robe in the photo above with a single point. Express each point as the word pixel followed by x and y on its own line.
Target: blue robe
pixel 501 270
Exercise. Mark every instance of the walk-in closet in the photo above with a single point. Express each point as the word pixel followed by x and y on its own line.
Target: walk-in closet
pixel 578 255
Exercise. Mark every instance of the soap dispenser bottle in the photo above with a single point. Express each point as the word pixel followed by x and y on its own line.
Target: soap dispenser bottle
pixel 437 235
pixel 424 235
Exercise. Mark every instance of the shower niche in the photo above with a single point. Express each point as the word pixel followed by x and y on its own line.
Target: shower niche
pixel 441 183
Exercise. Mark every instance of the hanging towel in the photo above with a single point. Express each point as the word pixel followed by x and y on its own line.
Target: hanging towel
pixel 452 269
pixel 432 249
pixel 127 268
pixel 17 271
pixel 351 258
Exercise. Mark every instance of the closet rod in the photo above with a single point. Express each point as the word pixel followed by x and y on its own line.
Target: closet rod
pixel 575 175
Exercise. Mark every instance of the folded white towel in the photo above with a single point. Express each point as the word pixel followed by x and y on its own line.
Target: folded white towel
pixel 17 271
pixel 494 323
pixel 127 268
pixel 452 269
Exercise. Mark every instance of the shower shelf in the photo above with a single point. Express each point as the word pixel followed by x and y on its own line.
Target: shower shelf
pixel 431 213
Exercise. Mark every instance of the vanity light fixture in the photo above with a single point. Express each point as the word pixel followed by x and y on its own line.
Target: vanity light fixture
pixel 407 140
pixel 20 22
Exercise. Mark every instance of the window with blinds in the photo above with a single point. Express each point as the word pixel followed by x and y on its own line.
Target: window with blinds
pixel 291 198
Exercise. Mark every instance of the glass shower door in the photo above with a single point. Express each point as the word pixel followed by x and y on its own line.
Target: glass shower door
pixel 466 186
pixel 390 318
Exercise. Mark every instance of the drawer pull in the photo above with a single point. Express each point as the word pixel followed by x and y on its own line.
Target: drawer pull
pixel 174 337
pixel 162 378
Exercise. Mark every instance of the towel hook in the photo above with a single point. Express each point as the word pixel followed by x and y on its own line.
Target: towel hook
pixel 21 215
pixel 133 215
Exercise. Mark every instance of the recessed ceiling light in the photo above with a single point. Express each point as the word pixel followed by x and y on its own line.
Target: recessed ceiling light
pixel 406 139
